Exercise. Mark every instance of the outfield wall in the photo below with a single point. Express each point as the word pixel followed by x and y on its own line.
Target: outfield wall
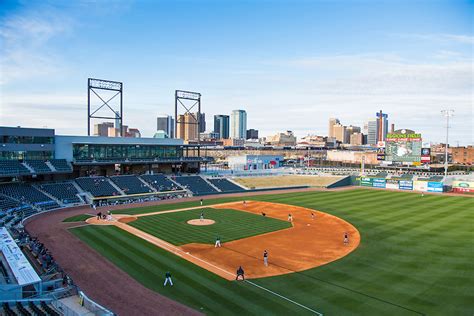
pixel 401 184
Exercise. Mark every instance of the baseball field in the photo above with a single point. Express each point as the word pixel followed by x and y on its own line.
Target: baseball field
pixel 408 254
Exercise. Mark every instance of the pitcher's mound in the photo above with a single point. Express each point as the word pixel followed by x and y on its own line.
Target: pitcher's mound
pixel 200 222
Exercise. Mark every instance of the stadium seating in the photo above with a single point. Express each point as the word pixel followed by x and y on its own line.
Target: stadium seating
pixel 195 184
pixel 12 167
pixel 130 184
pixel 160 182
pixel 26 193
pixel 65 192
pixel 61 165
pixel 97 186
pixel 39 166
pixel 225 185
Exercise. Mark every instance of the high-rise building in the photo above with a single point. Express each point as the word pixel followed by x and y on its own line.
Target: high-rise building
pixel 372 131
pixel 187 128
pixel 351 130
pixel 102 129
pixel 382 126
pixel 357 138
pixel 252 134
pixel 332 122
pixel 221 126
pixel 165 123
pixel 202 122
pixel 238 124
pixel 340 133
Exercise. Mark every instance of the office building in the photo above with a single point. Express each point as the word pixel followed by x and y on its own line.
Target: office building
pixel 102 129
pixel 332 122
pixel 165 123
pixel 340 133
pixel 202 122
pixel 357 139
pixel 187 128
pixel 382 126
pixel 221 126
pixel 252 134
pixel 282 139
pixel 372 131
pixel 238 124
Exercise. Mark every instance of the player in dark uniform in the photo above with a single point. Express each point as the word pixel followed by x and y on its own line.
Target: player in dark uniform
pixel 240 272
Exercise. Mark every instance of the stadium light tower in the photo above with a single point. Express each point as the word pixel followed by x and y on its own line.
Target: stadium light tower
pixel 447 114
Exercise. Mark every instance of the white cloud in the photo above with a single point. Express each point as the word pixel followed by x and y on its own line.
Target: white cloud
pixel 25 38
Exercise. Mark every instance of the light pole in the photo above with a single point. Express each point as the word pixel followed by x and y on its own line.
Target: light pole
pixel 447 114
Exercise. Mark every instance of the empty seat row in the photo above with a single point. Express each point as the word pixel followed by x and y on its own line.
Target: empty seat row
pixel 12 167
pixel 39 166
pixel 160 182
pixel 131 184
pixel 195 184
pixel 97 186
pixel 60 164
pixel 27 194
pixel 66 192
pixel 225 185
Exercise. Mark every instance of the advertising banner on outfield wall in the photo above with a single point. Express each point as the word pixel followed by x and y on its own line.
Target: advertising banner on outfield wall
pixel 463 186
pixel 379 183
pixel 366 182
pixel 391 184
pixel 420 186
pixel 435 186
pixel 406 185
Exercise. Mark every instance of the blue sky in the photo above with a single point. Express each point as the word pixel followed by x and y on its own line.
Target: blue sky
pixel 290 64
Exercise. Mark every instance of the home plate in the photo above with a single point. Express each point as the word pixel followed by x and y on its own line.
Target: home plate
pixel 308 224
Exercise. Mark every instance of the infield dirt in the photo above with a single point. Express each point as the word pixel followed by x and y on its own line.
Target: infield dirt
pixel 309 243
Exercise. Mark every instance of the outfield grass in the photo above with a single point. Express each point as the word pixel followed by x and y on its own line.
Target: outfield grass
pixel 78 218
pixel 415 257
pixel 230 225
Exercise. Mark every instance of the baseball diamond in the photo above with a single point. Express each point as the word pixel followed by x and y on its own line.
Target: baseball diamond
pixel 405 255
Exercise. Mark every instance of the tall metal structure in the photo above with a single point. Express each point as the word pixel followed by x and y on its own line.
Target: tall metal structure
pixel 447 114
pixel 96 85
pixel 188 101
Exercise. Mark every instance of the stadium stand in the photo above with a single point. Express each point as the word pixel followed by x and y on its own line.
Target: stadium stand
pixel 60 165
pixel 97 186
pixel 26 193
pixel 195 184
pixel 160 182
pixel 39 166
pixel 65 192
pixel 131 184
pixel 225 185
pixel 12 167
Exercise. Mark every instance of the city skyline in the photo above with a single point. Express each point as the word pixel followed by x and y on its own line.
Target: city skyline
pixel 288 70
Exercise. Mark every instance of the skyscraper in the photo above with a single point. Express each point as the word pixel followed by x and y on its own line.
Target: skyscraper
pixel 382 126
pixel 372 131
pixel 165 123
pixel 340 133
pixel 187 127
pixel 238 124
pixel 332 122
pixel 221 126
pixel 202 122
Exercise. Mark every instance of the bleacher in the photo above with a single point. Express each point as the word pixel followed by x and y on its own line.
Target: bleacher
pixel 195 184
pixel 97 186
pixel 130 184
pixel 225 185
pixel 160 182
pixel 14 167
pixel 39 166
pixel 61 165
pixel 65 192
pixel 26 193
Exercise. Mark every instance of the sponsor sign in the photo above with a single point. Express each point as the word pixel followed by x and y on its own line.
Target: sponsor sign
pixel 366 182
pixel 435 186
pixel 20 266
pixel 391 137
pixel 426 155
pixel 420 186
pixel 403 147
pixel 463 186
pixel 381 153
pixel 379 183
pixel 391 184
pixel 406 185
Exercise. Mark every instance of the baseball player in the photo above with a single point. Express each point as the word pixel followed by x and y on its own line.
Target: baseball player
pixel 346 238
pixel 109 216
pixel 312 215
pixel 290 217
pixel 245 202
pixel 201 217
pixel 240 272
pixel 265 258
pixel 168 279
pixel 218 242
pixel 201 201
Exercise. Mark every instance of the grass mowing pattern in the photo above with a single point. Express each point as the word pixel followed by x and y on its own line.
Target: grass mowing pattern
pixel 230 225
pixel 415 258
pixel 77 218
